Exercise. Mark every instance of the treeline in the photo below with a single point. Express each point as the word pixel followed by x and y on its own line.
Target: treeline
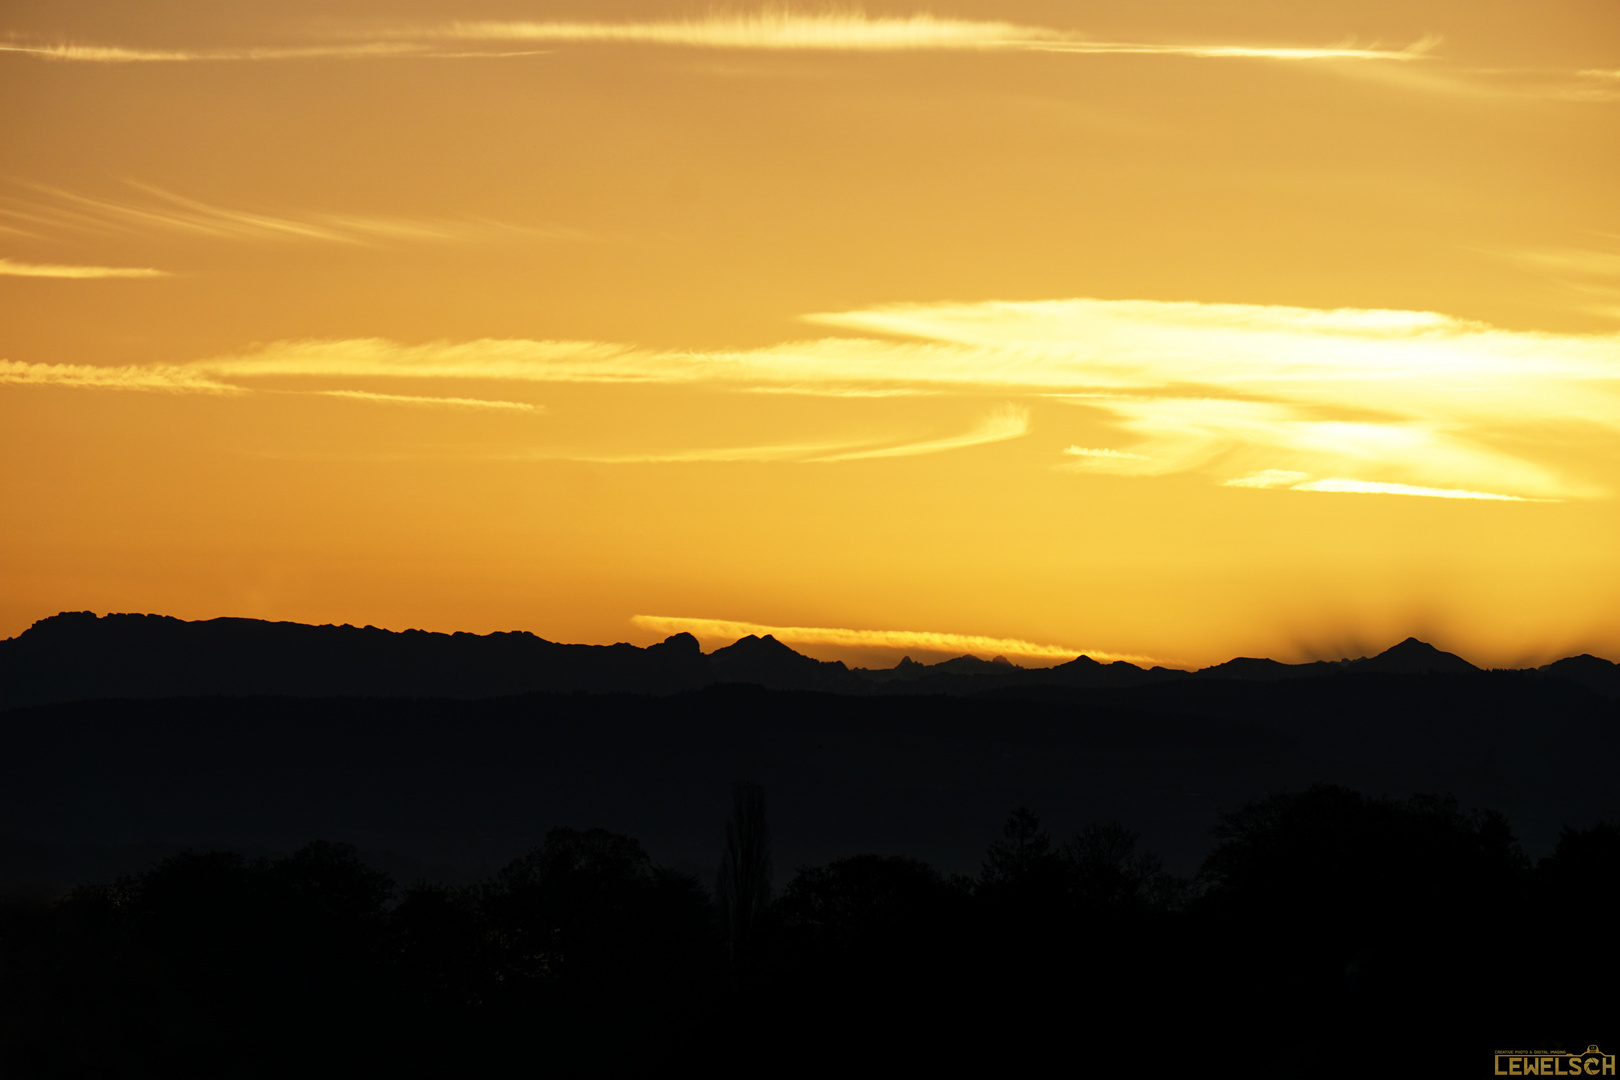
pixel 1327 932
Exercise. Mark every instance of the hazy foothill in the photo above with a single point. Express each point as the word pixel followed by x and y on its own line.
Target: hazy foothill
pixel 262 846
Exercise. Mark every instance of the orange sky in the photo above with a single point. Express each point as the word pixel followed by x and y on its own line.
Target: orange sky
pixel 1168 331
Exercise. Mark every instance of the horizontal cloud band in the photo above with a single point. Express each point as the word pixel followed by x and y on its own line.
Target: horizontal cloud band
pixel 114 377
pixel 1399 402
pixel 14 268
pixel 779 30
pixel 898 640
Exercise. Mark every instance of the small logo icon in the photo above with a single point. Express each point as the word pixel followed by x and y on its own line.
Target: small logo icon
pixel 1590 1062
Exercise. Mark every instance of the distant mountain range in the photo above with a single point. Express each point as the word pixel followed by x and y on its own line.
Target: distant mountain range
pixel 78 656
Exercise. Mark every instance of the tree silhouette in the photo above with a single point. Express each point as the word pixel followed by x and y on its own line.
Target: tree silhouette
pixel 743 884
pixel 592 950
pixel 868 907
pixel 1586 863
pixel 1023 853
pixel 566 911
pixel 1574 917
pixel 1106 873
pixel 1378 922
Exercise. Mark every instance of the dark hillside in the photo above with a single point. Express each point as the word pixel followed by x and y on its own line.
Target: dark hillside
pixel 453 787
pixel 77 656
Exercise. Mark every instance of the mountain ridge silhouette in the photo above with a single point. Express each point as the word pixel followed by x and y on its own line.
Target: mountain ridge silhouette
pixel 82 656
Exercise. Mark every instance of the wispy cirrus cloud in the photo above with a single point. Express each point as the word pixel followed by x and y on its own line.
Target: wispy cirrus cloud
pixel 773 30
pixel 423 399
pixel 756 454
pixel 1186 434
pixel 1415 51
pixel 162 211
pixel 729 630
pixel 1593 85
pixel 18 268
pixel 122 54
pixel 770 30
pixel 1101 452
pixel 1004 423
pixel 1590 275
pixel 1297 481
pixel 1393 397
pixel 114 377
pixel 1579 262
pixel 1348 401
pixel 191 380
pixel 521 360
pixel 1372 487
pixel 1408 398
pixel 783 29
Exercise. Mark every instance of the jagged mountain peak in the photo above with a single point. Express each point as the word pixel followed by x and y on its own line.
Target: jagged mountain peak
pixel 1412 657
pixel 682 643
pixel 756 645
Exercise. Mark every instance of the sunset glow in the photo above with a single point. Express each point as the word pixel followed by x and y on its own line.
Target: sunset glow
pixel 1160 332
pixel 926 645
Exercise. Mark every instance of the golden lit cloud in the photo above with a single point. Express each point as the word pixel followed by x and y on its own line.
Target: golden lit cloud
pixel 1406 396
pixel 774 30
pixel 190 380
pixel 1006 422
pixel 16 268
pixel 417 399
pixel 716 454
pixel 783 29
pixel 1384 397
pixel 1101 452
pixel 727 631
pixel 1220 434
pixel 1415 51
pixel 118 54
pixel 518 360
pixel 124 377
pixel 1393 399
pixel 1366 487
pixel 1268 478
pixel 1297 481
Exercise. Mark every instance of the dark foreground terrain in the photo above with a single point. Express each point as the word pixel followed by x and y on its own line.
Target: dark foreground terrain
pixel 348 854
pixel 1326 934
pixel 453 789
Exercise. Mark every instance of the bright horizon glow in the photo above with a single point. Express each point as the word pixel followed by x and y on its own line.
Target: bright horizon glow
pixel 1189 331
